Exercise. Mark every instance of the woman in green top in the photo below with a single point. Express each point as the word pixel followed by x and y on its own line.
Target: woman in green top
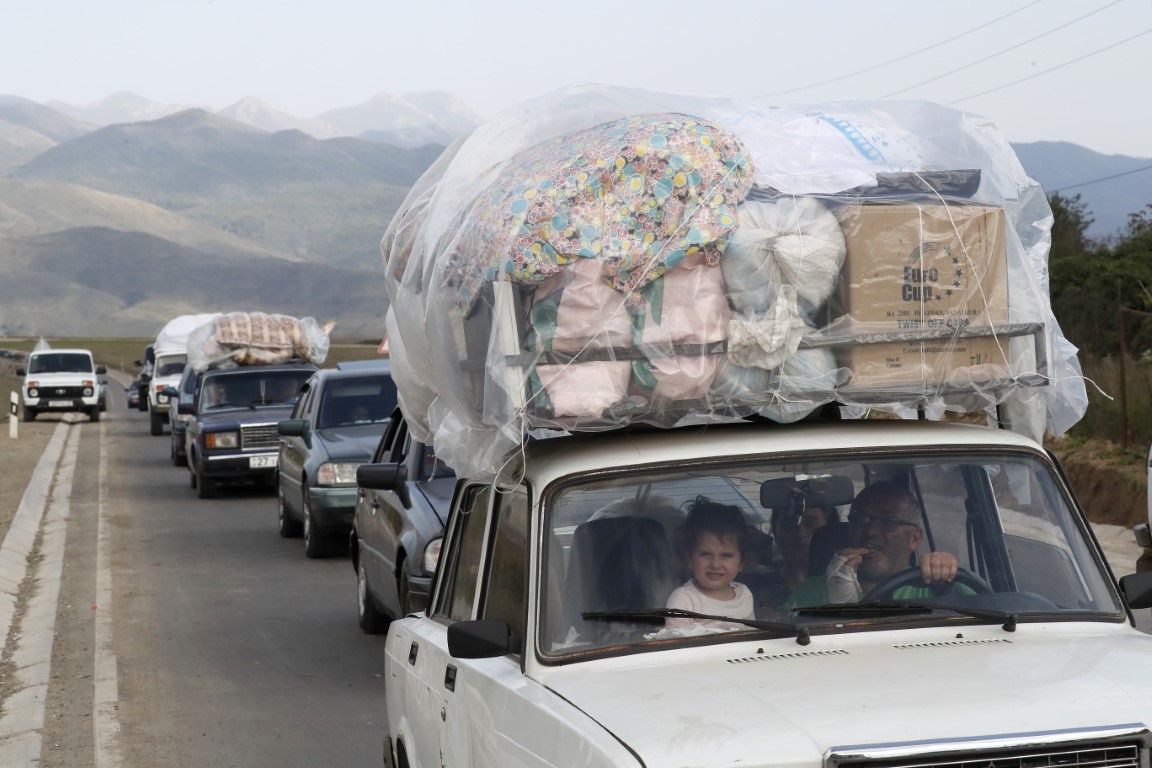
pixel 885 531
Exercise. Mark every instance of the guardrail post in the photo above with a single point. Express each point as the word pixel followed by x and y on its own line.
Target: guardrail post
pixel 13 414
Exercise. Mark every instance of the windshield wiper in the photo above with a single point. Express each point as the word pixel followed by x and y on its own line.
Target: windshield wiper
pixel 782 627
pixel 874 608
pixel 879 608
pixel 986 614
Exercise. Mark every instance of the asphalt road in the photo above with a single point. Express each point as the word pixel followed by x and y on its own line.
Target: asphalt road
pixel 186 631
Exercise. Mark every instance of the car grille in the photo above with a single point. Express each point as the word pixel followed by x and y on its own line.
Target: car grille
pixel 55 391
pixel 259 436
pixel 1079 755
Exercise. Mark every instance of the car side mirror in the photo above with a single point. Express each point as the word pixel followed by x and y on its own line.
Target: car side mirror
pixel 481 639
pixel 295 428
pixel 1137 589
pixel 21 372
pixel 385 477
pixel 186 408
pixel 170 392
pixel 101 369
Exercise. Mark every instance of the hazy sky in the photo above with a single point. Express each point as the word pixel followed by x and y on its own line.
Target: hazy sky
pixel 1062 70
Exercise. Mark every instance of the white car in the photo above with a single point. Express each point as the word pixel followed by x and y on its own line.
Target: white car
pixel 61 380
pixel 545 642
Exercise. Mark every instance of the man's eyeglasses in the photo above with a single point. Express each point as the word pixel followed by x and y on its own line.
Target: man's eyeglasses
pixel 883 523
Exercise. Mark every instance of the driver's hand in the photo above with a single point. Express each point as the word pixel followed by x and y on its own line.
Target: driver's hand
pixel 938 567
pixel 843 584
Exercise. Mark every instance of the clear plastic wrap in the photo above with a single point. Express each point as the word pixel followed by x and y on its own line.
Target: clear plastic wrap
pixel 173 337
pixel 602 256
pixel 256 338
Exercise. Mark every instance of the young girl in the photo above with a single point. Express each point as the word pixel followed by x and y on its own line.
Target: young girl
pixel 714 537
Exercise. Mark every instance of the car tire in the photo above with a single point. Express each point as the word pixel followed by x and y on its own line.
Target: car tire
pixel 155 426
pixel 289 527
pixel 372 621
pixel 205 487
pixel 178 459
pixel 94 413
pixel 316 545
pixel 29 414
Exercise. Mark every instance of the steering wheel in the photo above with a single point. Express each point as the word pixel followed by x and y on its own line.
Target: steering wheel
pixel 912 577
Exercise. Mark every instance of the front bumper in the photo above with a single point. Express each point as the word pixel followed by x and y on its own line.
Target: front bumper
pixel 333 508
pixel 256 465
pixel 61 403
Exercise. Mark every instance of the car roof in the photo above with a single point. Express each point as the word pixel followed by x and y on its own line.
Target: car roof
pixel 547 459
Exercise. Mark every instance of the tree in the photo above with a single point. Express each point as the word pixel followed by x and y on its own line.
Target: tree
pixel 1075 282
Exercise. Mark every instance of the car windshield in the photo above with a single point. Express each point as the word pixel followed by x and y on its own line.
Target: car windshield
pixel 170 365
pixel 60 362
pixel 818 546
pixel 251 389
pixel 357 400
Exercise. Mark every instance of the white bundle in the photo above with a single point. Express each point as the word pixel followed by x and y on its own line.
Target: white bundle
pixel 809 371
pixel 792 240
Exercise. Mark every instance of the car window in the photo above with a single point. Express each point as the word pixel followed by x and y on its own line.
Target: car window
pixel 507 570
pixel 356 400
pixel 432 467
pixel 458 596
pixel 303 409
pixel 60 362
pixel 188 382
pixel 618 544
pixel 170 365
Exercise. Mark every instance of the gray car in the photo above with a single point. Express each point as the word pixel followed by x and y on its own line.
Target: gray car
pixel 334 428
pixel 399 524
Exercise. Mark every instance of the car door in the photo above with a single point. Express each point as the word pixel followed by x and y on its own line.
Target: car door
pixel 484 577
pixel 294 450
pixel 376 543
pixel 390 519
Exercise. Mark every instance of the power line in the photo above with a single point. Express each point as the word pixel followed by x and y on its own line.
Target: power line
pixel 905 56
pixel 1001 52
pixel 1052 69
pixel 1102 178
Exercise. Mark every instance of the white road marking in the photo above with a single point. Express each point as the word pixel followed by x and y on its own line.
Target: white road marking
pixel 105 724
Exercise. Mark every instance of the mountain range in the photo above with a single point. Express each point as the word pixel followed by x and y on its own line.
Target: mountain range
pixel 117 215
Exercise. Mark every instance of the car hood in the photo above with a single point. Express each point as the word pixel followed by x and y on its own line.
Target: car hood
pixel 62 376
pixel 778 703
pixel 238 416
pixel 351 443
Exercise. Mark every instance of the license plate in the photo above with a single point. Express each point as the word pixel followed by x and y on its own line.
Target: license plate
pixel 262 462
pixel 59 403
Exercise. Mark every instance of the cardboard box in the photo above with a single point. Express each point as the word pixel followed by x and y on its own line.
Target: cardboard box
pixel 916 267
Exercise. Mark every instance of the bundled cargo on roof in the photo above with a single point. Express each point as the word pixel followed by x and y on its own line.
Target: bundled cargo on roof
pixel 256 338
pixel 602 257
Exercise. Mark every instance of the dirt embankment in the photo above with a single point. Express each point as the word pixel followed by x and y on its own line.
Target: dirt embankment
pixel 1111 487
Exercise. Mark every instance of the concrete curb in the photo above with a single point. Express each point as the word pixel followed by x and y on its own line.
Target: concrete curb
pixel 25 527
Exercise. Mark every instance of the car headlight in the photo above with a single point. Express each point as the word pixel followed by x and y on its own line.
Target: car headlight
pixel 86 392
pixel 222 440
pixel 33 392
pixel 431 555
pixel 337 473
